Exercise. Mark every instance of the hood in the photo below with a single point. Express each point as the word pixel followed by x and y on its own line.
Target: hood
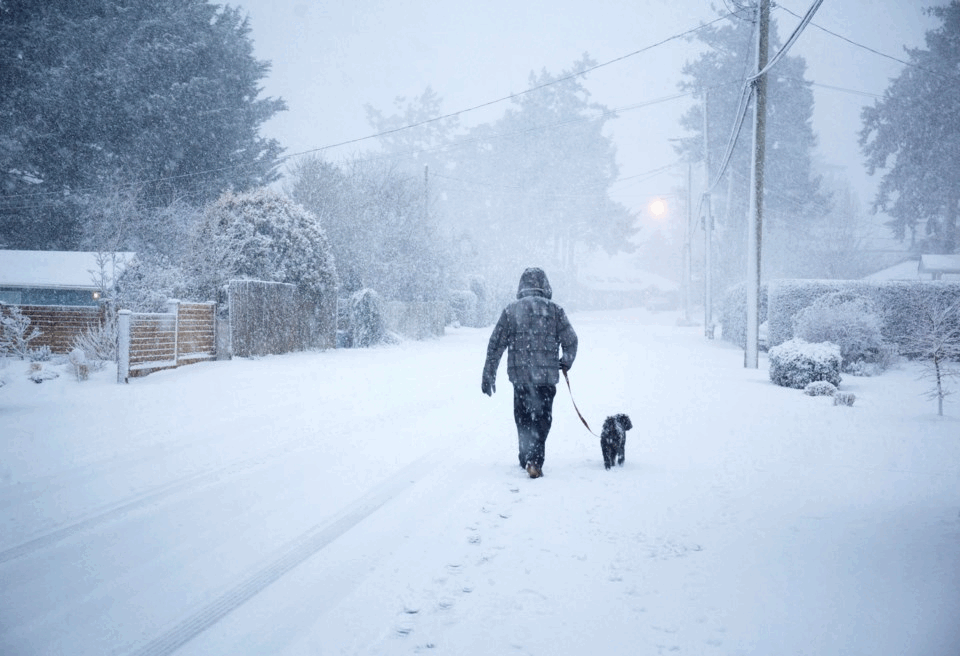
pixel 533 282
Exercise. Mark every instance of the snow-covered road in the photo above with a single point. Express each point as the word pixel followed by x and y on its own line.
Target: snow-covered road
pixel 369 502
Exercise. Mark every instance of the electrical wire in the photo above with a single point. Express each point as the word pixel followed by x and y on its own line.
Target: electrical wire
pixel 867 48
pixel 790 41
pixel 377 135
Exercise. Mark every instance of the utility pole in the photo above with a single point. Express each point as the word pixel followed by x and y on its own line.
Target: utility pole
pixel 707 228
pixel 426 191
pixel 687 250
pixel 755 220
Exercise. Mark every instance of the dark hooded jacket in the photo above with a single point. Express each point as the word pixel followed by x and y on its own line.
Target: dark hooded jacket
pixel 534 328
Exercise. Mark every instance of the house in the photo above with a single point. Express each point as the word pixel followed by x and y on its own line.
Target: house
pixel 940 267
pixel 62 278
pixel 617 281
pixel 927 267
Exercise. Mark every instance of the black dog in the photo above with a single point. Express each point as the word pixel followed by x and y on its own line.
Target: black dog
pixel 613 439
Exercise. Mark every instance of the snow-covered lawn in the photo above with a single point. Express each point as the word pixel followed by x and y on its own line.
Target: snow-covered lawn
pixel 370 502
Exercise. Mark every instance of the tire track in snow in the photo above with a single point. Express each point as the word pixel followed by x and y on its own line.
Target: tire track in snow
pixel 287 558
pixel 160 492
pixel 150 496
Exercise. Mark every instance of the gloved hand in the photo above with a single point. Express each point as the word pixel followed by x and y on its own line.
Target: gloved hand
pixel 487 386
pixel 564 368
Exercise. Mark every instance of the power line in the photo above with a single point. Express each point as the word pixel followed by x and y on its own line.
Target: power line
pixel 398 129
pixel 793 39
pixel 867 48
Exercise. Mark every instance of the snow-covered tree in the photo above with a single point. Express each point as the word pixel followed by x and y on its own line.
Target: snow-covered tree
pixel 260 235
pixel 913 133
pixel 537 180
pixel 95 95
pixel 381 234
pixel 793 197
pixel 528 187
pixel 934 340
pixel 16 333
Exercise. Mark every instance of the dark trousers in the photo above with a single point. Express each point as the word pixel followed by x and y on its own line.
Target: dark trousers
pixel 533 412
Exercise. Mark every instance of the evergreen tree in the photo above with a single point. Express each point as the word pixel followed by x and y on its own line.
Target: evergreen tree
pixel 914 133
pixel 261 235
pixel 96 94
pixel 527 187
pixel 793 197
pixel 379 228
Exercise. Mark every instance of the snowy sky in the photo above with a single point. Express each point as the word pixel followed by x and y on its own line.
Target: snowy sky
pixel 331 59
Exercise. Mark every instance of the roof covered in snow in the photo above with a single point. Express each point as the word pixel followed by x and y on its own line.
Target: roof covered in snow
pixel 939 264
pixel 619 273
pixel 56 269
pixel 906 270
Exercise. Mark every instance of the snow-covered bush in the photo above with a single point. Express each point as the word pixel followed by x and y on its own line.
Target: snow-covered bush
pixel 40 354
pixel 148 282
pixel 844 398
pixel 797 363
pixel 366 319
pixel 820 388
pixel 16 333
pixel 38 374
pixel 81 367
pixel 463 306
pixel 98 344
pixel 852 323
pixel 261 235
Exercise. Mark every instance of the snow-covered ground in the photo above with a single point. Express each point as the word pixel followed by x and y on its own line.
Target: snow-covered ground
pixel 370 502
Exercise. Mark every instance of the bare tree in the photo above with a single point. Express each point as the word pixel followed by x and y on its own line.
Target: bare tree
pixel 935 342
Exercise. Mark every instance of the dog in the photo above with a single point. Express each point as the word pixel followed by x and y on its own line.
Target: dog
pixel 613 439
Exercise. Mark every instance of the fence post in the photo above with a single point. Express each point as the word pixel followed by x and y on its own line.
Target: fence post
pixel 123 346
pixel 173 307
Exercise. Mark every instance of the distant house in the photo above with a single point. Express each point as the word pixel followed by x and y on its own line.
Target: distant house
pixel 63 278
pixel 940 267
pixel 927 267
pixel 617 281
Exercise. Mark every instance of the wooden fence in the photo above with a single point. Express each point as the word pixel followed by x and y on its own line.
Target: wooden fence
pixel 58 325
pixel 148 342
pixel 269 318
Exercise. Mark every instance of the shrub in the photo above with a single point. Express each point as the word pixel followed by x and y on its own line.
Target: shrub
pixel 844 398
pixel 463 305
pixel 98 345
pixel 797 363
pixel 366 319
pixel 852 323
pixel 820 388
pixel 40 354
pixel 16 333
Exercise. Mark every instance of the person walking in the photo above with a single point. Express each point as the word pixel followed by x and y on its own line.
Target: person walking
pixel 534 329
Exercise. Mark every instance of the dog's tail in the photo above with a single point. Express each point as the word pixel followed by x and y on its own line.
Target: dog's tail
pixel 567 378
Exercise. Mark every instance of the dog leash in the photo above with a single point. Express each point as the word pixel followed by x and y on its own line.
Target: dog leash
pixel 567 378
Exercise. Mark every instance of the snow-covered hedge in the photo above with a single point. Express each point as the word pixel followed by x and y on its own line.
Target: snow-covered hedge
pixel 797 363
pixel 895 301
pixel 733 313
pixel 852 323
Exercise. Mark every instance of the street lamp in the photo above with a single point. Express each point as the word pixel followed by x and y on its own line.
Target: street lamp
pixel 658 207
